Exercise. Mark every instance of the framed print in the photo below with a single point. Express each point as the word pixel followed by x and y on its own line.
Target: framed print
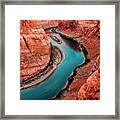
pixel 60 59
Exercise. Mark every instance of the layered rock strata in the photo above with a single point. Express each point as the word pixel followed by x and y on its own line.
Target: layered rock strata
pixel 35 49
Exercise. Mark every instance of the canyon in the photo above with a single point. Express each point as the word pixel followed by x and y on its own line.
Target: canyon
pixel 36 51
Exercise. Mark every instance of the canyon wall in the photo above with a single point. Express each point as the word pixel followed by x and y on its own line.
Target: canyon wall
pixel 90 90
pixel 35 49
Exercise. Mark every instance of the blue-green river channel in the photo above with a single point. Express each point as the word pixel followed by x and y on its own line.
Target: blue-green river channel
pixel 56 82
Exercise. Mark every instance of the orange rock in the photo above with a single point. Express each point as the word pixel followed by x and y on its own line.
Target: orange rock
pixel 90 90
pixel 35 49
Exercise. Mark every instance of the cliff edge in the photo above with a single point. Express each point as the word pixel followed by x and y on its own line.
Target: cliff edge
pixel 35 49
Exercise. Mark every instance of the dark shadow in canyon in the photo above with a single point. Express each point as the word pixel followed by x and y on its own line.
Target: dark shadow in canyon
pixel 70 42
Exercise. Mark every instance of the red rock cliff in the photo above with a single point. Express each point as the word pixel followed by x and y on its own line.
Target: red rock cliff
pixel 35 49
pixel 90 90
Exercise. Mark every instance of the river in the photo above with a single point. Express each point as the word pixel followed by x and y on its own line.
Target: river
pixel 56 82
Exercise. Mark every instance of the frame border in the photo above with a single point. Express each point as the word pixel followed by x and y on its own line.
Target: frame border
pixel 53 2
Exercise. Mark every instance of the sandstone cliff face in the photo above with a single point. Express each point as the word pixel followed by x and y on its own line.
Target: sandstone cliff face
pixel 35 49
pixel 91 89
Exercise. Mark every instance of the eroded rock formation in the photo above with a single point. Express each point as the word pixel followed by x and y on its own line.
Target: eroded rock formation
pixel 91 89
pixel 35 49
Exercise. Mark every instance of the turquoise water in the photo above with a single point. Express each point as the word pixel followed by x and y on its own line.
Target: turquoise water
pixel 50 87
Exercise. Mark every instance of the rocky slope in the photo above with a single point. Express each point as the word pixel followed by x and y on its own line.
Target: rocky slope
pixel 90 90
pixel 35 49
